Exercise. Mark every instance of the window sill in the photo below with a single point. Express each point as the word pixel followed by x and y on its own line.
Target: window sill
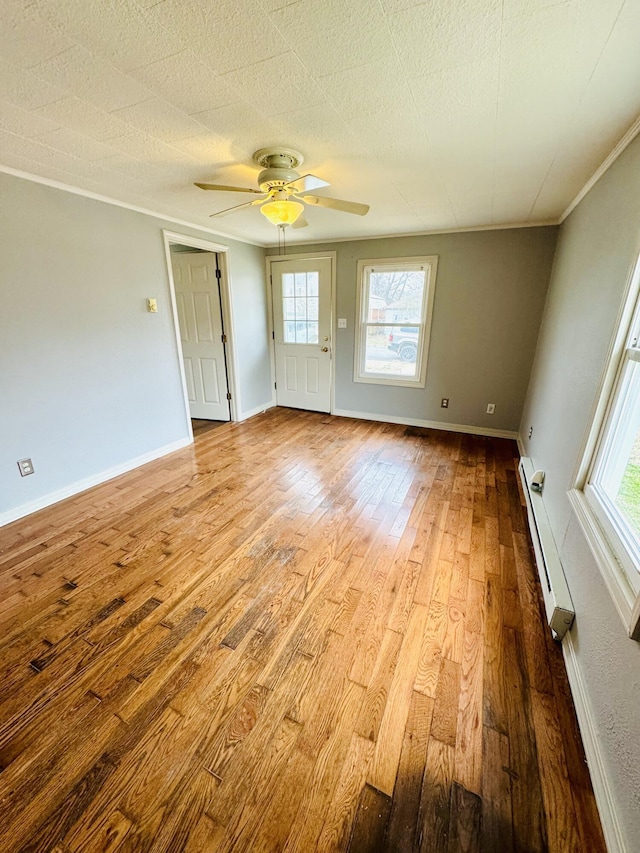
pixel 624 598
pixel 383 380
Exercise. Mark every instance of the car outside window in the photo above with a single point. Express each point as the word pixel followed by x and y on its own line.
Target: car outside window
pixel 395 304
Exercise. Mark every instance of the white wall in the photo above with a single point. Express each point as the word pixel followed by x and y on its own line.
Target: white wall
pixel 89 380
pixel 490 293
pixel 597 246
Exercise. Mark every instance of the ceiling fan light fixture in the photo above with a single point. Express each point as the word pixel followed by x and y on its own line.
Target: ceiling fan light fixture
pixel 282 212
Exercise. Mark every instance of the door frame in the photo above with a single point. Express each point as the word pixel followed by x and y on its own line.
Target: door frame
pixel 303 256
pixel 172 237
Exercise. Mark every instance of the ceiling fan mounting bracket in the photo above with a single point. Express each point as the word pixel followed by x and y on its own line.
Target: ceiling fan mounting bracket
pixel 278 157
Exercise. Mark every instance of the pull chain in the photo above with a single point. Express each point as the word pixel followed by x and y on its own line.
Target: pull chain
pixel 282 240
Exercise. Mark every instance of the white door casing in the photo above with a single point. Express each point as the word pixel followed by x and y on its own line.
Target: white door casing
pixel 200 321
pixel 302 332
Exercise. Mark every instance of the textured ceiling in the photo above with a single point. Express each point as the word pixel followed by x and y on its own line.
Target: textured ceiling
pixel 439 115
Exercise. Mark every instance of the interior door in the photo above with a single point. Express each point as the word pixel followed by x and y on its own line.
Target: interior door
pixel 302 333
pixel 201 332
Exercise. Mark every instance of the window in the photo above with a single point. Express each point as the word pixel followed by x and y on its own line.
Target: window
pixel 300 301
pixel 395 304
pixel 608 492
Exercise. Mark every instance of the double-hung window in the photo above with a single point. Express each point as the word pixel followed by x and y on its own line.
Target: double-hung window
pixel 610 480
pixel 395 304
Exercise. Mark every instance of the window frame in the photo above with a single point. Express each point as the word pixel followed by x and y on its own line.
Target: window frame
pixel 614 552
pixel 365 267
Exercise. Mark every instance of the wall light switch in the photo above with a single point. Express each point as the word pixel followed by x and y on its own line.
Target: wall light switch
pixel 342 323
pixel 152 306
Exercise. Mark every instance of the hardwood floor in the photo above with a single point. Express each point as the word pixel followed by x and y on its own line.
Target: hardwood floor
pixel 200 425
pixel 304 634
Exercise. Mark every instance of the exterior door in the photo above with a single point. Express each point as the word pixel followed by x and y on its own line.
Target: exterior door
pixel 201 332
pixel 302 333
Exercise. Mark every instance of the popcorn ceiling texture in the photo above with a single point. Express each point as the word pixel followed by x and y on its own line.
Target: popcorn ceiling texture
pixel 439 115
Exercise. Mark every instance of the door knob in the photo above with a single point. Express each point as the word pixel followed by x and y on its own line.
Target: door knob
pixel 324 349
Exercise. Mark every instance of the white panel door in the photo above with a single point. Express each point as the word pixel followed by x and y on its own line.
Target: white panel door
pixel 200 319
pixel 302 333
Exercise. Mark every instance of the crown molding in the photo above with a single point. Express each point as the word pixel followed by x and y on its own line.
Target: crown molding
pixel 465 230
pixel 68 188
pixel 620 147
pixel 58 185
pixel 606 164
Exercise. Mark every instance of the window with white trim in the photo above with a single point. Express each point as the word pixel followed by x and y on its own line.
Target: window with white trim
pixel 611 471
pixel 395 304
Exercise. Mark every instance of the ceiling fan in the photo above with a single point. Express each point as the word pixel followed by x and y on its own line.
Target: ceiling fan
pixel 283 191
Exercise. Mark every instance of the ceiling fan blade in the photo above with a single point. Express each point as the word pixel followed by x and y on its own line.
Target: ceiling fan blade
pixel 227 189
pixel 238 206
pixel 300 222
pixel 305 183
pixel 337 204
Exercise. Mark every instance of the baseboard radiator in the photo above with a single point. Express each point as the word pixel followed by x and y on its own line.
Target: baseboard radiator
pixel 557 598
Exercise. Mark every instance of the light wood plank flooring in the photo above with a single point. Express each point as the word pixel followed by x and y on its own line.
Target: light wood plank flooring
pixel 303 634
pixel 200 426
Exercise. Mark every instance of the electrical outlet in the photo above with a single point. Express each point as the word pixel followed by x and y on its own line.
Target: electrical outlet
pixel 530 431
pixel 25 466
pixel 445 403
pixel 491 407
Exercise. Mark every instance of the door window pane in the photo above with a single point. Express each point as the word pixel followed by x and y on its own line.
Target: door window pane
pixel 300 307
pixel 288 284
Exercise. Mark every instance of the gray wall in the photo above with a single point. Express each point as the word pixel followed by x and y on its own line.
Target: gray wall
pixel 247 276
pixel 597 246
pixel 89 380
pixel 490 292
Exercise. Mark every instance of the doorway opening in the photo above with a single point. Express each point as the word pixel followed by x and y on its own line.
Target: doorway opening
pixel 302 316
pixel 202 322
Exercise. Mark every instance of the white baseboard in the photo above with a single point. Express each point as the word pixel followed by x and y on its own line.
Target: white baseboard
pixel 605 799
pixel 244 416
pixel 418 422
pixel 95 480
pixel 521 448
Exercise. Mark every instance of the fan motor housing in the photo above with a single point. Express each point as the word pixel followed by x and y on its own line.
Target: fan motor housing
pixel 270 178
